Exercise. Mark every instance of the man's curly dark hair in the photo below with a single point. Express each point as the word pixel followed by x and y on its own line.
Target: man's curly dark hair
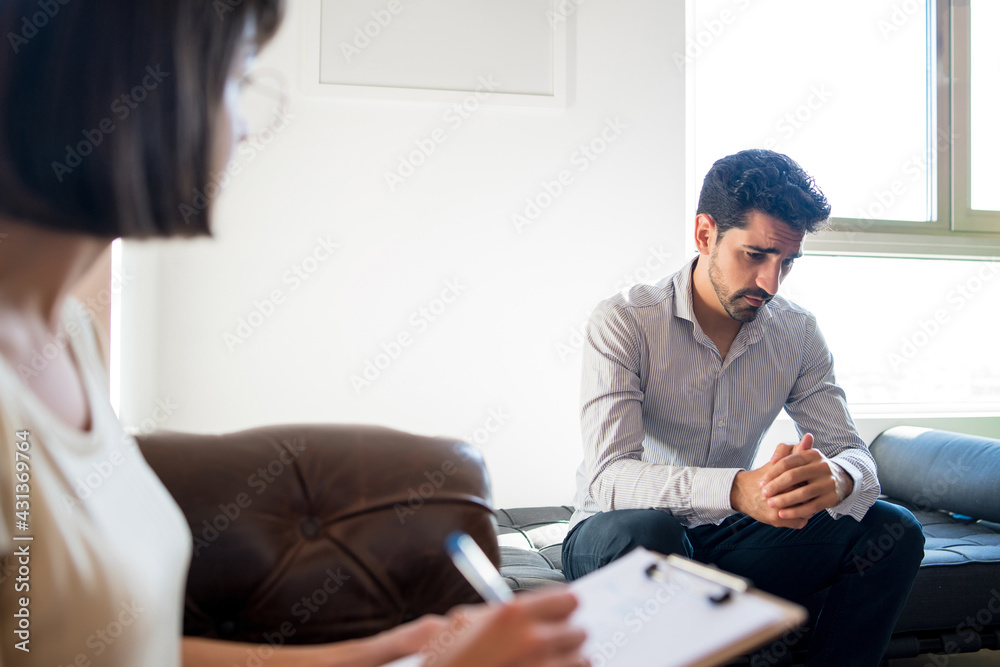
pixel 765 181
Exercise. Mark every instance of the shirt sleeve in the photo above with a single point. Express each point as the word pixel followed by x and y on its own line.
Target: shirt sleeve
pixel 612 392
pixel 818 405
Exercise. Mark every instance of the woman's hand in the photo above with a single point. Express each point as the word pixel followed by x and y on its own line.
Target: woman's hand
pixel 531 631
pixel 409 638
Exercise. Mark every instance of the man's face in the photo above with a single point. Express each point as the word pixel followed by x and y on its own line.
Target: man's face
pixel 747 265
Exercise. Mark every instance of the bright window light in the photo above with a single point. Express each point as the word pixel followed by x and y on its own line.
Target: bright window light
pixel 845 88
pixel 907 331
pixel 985 100
pixel 841 87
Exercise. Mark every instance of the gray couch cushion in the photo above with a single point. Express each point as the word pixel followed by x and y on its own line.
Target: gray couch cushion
pixel 531 544
pixel 959 577
pixel 940 470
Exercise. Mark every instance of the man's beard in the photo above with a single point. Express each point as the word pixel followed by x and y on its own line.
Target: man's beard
pixel 734 304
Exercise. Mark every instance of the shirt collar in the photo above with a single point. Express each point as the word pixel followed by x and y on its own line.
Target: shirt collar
pixel 683 299
pixel 684 304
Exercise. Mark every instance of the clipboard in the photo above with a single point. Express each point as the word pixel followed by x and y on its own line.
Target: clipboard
pixel 650 610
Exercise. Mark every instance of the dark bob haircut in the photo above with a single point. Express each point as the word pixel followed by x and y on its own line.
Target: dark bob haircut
pixel 111 109
pixel 764 181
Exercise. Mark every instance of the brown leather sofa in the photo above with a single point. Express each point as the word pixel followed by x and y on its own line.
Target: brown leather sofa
pixel 317 533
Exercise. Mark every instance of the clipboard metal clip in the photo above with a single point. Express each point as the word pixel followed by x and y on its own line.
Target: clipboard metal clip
pixel 730 583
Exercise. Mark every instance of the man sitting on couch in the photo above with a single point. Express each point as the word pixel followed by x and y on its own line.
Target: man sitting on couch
pixel 680 382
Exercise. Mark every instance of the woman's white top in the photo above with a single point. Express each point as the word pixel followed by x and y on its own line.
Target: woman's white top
pixel 96 550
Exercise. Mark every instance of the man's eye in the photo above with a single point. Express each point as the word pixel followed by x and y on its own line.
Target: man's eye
pixel 755 255
pixel 788 262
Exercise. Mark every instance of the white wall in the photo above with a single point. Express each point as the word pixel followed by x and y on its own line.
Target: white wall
pixel 495 349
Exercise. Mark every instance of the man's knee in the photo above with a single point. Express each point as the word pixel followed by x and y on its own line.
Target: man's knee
pixel 654 530
pixel 607 536
pixel 892 534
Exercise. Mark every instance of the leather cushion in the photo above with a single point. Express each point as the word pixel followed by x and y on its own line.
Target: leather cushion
pixel 932 469
pixel 321 533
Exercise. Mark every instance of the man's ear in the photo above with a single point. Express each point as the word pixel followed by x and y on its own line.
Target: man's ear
pixel 704 233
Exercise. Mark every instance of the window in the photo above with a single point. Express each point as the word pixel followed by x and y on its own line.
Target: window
pixel 911 335
pixel 976 71
pixel 888 103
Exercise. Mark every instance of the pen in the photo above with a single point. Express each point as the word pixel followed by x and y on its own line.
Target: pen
pixel 477 568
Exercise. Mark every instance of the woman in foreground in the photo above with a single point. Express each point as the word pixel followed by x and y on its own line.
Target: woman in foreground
pixel 113 115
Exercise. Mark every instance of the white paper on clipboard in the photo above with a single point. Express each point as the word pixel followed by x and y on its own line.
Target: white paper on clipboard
pixel 670 620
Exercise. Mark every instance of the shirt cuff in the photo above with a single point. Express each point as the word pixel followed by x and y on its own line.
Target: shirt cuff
pixel 847 504
pixel 711 491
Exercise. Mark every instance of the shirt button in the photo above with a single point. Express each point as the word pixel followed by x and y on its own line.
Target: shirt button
pixel 720 423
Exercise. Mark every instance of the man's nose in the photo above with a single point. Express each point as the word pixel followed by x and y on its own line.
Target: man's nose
pixel 769 278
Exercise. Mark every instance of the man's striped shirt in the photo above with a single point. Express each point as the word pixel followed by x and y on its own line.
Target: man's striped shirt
pixel 667 423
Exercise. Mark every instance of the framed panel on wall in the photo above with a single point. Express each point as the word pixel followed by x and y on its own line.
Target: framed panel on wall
pixel 505 51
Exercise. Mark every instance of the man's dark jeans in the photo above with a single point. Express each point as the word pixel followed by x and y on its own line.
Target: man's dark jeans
pixel 868 566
